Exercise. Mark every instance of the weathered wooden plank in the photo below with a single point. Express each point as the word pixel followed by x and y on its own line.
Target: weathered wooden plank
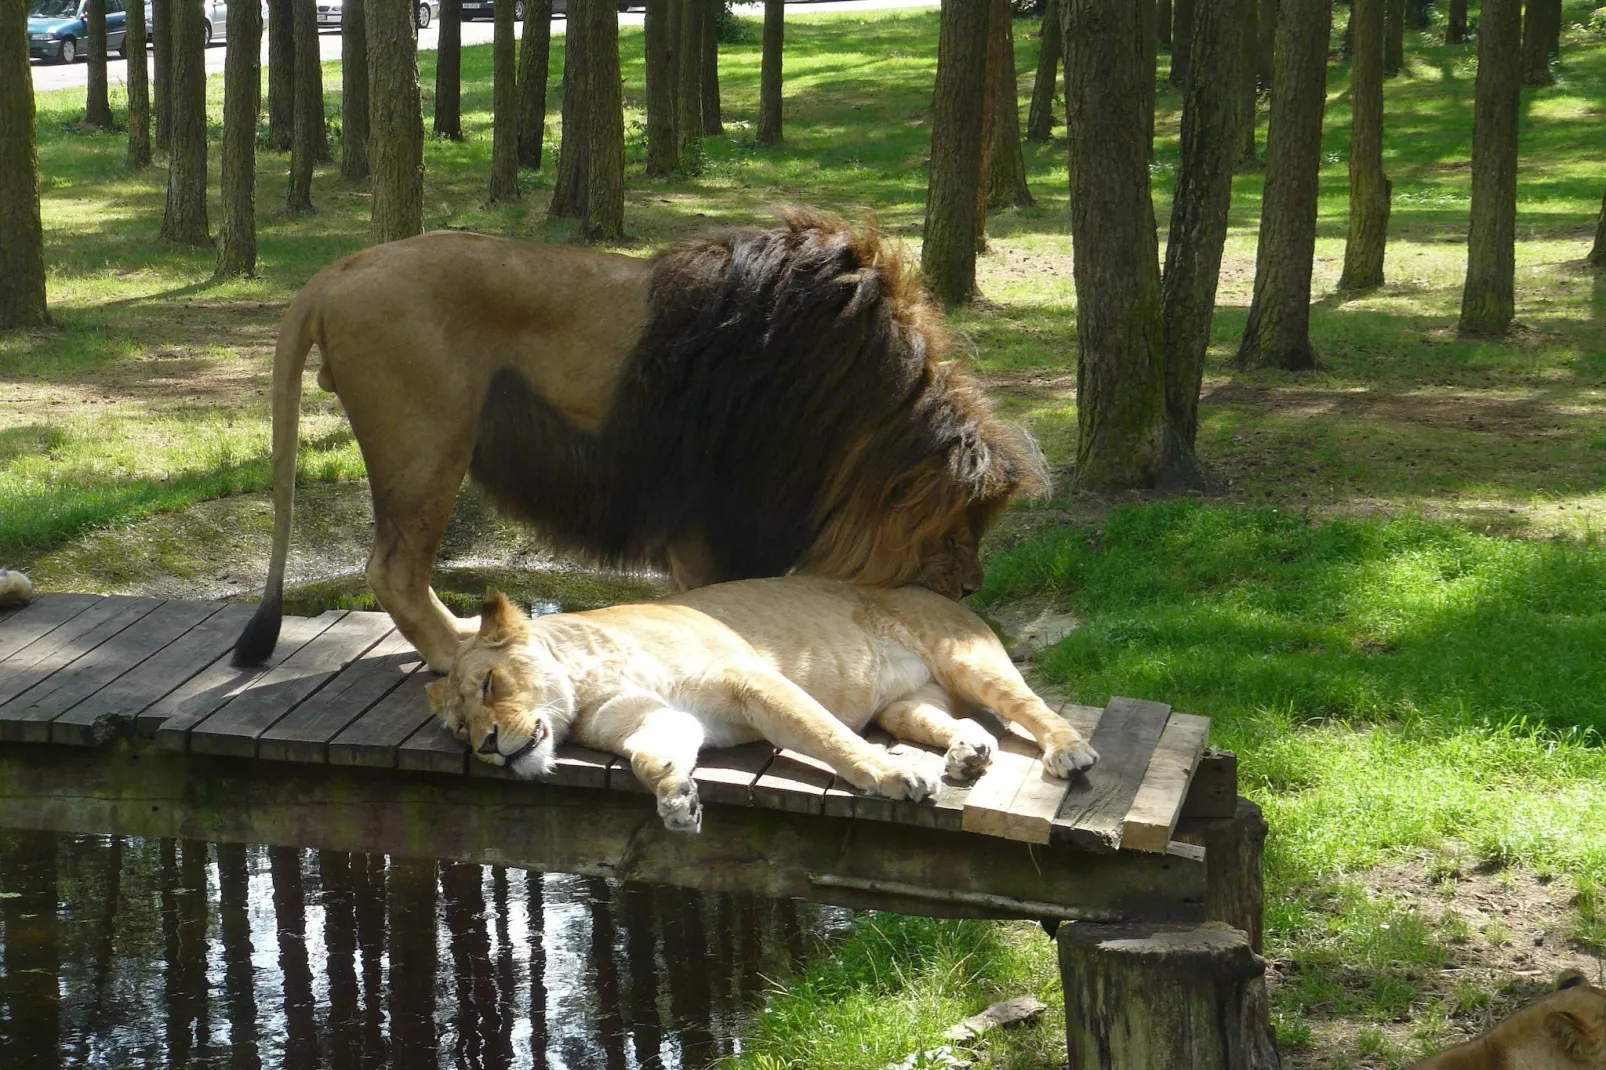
pixel 1016 799
pixel 49 709
pixel 1095 807
pixel 303 734
pixel 1214 791
pixel 793 782
pixel 63 645
pixel 45 613
pixel 1157 806
pixel 433 749
pixel 727 775
pixel 192 702
pixel 923 814
pixel 373 738
pixel 234 727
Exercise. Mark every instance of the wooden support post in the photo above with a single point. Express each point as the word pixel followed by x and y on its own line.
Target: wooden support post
pixel 1162 997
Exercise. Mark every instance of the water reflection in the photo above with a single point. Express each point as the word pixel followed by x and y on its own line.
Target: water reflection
pixel 127 952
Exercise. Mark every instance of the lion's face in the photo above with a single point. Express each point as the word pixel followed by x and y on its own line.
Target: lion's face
pixel 950 561
pixel 508 699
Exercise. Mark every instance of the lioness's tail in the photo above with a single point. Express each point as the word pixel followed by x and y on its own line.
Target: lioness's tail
pixel 297 332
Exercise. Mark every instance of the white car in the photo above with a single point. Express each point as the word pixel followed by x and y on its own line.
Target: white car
pixel 330 12
pixel 215 15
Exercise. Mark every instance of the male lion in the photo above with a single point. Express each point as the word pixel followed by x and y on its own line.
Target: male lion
pixel 801 661
pixel 1565 1030
pixel 746 403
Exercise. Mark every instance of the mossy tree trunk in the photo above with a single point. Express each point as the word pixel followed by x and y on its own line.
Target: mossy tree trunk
pixel 535 57
pixel 604 218
pixel 449 72
pixel 308 133
pixel 1248 82
pixel 281 74
pixel 1006 165
pixel 1393 38
pixel 1040 116
pixel 1488 300
pixel 396 122
pixel 1455 25
pixel 1537 23
pixel 1278 329
pixel 97 105
pixel 689 85
pixel 354 91
pixel 22 237
pixel 712 123
pixel 504 108
pixel 162 70
pixel 242 103
pixel 139 93
pixel 1369 187
pixel 948 252
pixel 769 79
pixel 184 220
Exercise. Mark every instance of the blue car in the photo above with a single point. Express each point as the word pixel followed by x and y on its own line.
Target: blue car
pixel 58 30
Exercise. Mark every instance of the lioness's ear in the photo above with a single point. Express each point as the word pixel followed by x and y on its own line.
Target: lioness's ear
pixel 500 620
pixel 1569 979
pixel 436 690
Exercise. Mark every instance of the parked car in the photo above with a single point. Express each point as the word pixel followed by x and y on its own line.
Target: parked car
pixel 332 12
pixel 58 29
pixel 474 9
pixel 215 15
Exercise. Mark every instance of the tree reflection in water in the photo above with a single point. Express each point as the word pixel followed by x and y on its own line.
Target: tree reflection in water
pixel 128 952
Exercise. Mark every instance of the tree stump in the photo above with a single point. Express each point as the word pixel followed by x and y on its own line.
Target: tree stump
pixel 1163 997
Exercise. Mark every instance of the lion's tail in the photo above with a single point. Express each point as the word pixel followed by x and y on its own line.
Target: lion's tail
pixel 298 331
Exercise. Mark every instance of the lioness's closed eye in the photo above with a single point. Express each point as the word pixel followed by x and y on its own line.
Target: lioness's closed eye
pixel 802 662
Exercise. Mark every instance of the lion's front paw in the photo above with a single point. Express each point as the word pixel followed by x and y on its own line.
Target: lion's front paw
pixel 969 759
pixel 1065 758
pixel 680 807
pixel 910 782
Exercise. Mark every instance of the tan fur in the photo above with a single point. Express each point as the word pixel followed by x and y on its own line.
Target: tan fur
pixel 1566 1030
pixel 803 662
pixel 15 589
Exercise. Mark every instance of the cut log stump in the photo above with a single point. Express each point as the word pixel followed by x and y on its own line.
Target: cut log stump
pixel 1163 997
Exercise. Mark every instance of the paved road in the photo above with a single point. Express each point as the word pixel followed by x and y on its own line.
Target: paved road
pixel 51 76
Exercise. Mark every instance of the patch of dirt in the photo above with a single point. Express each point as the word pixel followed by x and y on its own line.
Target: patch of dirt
pixel 1515 413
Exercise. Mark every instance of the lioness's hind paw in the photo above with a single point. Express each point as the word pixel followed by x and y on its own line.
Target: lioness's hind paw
pixel 967 760
pixel 1065 760
pixel 681 808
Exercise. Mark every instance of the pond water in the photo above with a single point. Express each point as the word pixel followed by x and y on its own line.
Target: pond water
pixel 125 952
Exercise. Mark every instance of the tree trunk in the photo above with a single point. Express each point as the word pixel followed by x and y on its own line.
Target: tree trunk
pixel 676 8
pixel 1006 166
pixel 162 70
pixel 1553 29
pixel 1455 27
pixel 989 112
pixel 1278 330
pixel 948 252
pixel 97 106
pixel 1369 187
pixel 1248 78
pixel 689 88
pixel 1597 252
pixel 1536 41
pixel 661 159
pixel 281 74
pixel 449 72
pixel 242 103
pixel 1266 28
pixel 604 218
pixel 769 88
pixel 139 93
pixel 569 196
pixel 1418 14
pixel 535 55
pixel 1181 41
pixel 308 130
pixel 504 108
pixel 1040 118
pixel 396 141
pixel 1393 38
pixel 1199 215
pixel 1488 301
pixel 712 123
pixel 184 221
pixel 1162 19
pixel 354 91
pixel 22 237
pixel 1149 37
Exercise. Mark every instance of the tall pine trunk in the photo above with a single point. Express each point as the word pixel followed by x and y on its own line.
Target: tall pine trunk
pixel 1266 28
pixel 504 108
pixel 1040 117
pixel 1248 80
pixel 1005 178
pixel 1120 377
pixel 948 252
pixel 1536 37
pixel 1369 187
pixel 139 92
pixel 1278 330
pixel 661 160
pixel 689 84
pixel 162 69
pixel 1162 18
pixel 769 79
pixel 1597 252
pixel 281 74
pixel 1418 14
pixel 354 91
pixel 449 72
pixel 569 197
pixel 604 218
pixel 1199 218
pixel 22 237
pixel 308 130
pixel 184 220
pixel 1181 41
pixel 396 123
pixel 1488 300
pixel 712 123
pixel 672 24
pixel 1393 37
pixel 242 103
pixel 1455 25
pixel 535 56
pixel 97 105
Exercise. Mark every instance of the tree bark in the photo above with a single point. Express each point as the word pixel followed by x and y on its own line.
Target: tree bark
pixel 1553 29
pixel 1418 14
pixel 242 103
pixel 1266 28
pixel 308 130
pixel 948 252
pixel 1597 252
pixel 1278 330
pixel 569 196
pixel 535 56
pixel 1536 34
pixel 1005 178
pixel 162 70
pixel 676 8
pixel 1181 41
pixel 661 160
pixel 184 220
pixel 604 218
pixel 712 123
pixel 22 238
pixel 281 74
pixel 769 87
pixel 1199 215
pixel 1248 79
pixel 97 106
pixel 1040 117
pixel 1455 26
pixel 989 111
pixel 396 141
pixel 1393 38
pixel 1162 19
pixel 504 108
pixel 1488 300
pixel 689 87
pixel 139 93
pixel 449 72
pixel 354 91
pixel 1369 187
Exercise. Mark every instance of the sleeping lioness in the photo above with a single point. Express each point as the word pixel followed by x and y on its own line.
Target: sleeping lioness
pixel 1565 1030
pixel 803 662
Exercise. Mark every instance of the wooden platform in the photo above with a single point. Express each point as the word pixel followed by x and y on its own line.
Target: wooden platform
pixel 345 689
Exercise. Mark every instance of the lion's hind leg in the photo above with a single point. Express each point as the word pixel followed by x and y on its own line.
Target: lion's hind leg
pixel 926 717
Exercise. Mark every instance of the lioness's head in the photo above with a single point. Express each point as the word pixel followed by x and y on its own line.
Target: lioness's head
pixel 1565 1030
pixel 506 697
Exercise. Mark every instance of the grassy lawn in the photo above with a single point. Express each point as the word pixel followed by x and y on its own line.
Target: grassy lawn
pixel 1395 611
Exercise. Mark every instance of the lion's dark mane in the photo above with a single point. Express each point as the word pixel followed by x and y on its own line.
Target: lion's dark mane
pixel 788 384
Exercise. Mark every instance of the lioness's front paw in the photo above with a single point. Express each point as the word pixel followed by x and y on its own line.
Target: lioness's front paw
pixel 969 759
pixel 680 807
pixel 907 782
pixel 1067 757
